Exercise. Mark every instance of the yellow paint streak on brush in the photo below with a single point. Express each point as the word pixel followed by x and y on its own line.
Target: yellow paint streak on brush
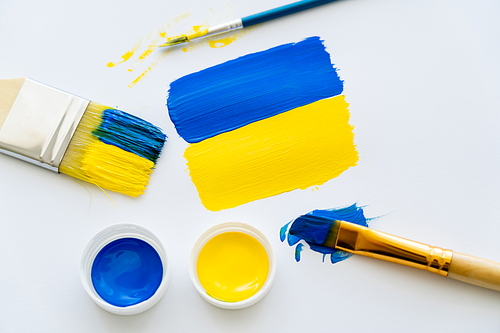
pixel 199 31
pixel 105 165
pixel 296 149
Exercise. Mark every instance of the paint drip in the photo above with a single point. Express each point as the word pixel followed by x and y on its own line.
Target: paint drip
pixel 323 217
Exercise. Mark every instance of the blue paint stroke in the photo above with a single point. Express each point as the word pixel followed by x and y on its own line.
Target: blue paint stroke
pixel 250 88
pixel 131 134
pixel 312 228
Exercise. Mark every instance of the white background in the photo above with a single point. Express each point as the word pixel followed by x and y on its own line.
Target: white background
pixel 422 78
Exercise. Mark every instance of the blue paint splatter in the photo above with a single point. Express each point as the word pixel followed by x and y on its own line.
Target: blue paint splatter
pixel 283 231
pixel 131 134
pixel 250 88
pixel 322 220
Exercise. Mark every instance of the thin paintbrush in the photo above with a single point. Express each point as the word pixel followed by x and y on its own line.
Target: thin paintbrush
pixel 357 239
pixel 248 21
pixel 68 134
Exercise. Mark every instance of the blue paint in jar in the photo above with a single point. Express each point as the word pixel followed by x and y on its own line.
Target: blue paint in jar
pixel 126 271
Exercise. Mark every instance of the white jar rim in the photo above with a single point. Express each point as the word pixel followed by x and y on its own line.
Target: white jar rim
pixel 107 236
pixel 232 227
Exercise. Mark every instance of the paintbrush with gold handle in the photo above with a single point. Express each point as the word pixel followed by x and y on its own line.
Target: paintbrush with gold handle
pixel 367 242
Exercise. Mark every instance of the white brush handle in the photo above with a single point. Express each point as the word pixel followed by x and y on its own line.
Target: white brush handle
pixel 478 271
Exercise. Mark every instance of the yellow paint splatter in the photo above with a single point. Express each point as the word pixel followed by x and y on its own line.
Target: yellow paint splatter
pixel 125 57
pixel 222 42
pixel 152 35
pixel 146 46
pixel 146 72
pixel 296 149
pixel 219 42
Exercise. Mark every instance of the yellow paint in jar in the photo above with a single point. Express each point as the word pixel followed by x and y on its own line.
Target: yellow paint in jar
pixel 232 266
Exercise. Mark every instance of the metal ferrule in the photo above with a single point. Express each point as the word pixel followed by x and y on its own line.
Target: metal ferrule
pixel 40 124
pixel 356 239
pixel 222 28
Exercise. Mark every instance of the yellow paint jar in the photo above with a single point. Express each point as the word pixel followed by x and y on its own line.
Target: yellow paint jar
pixel 232 265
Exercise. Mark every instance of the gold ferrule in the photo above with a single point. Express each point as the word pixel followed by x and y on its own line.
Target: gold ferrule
pixel 367 242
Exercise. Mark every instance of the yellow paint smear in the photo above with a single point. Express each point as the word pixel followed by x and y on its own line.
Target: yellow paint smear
pixel 104 165
pixel 296 149
pixel 232 266
pixel 218 43
pixel 125 57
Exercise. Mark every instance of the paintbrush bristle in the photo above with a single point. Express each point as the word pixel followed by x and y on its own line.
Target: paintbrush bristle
pixel 176 41
pixel 316 230
pixel 113 149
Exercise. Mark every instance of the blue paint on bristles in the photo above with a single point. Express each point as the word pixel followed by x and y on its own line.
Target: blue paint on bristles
pixel 313 227
pixel 131 134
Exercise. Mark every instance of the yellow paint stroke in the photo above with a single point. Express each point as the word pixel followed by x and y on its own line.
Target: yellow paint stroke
pixel 296 149
pixel 232 266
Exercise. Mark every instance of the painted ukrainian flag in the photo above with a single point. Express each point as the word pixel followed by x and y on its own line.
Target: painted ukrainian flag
pixel 263 124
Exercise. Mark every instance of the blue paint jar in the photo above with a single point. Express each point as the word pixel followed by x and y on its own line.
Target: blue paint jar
pixel 124 269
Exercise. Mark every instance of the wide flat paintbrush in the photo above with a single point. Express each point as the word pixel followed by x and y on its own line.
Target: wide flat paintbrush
pixel 68 134
pixel 357 239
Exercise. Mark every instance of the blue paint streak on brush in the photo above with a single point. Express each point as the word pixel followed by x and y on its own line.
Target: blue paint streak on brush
pixel 131 134
pixel 313 229
pixel 251 88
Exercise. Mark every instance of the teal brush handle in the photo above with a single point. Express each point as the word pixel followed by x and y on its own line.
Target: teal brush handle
pixel 281 11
